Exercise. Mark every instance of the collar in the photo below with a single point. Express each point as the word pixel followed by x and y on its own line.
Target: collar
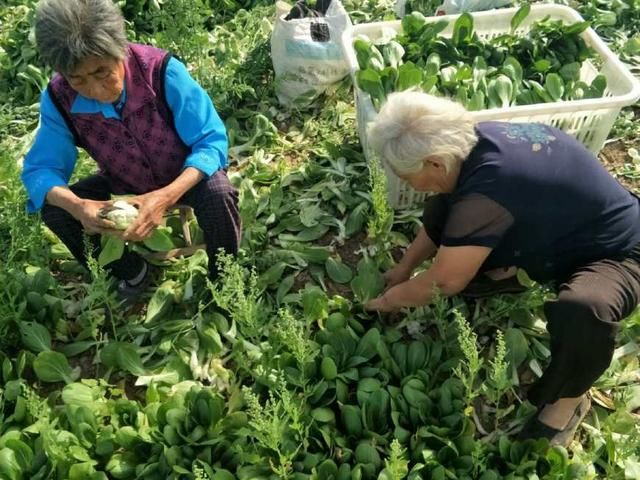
pixel 83 104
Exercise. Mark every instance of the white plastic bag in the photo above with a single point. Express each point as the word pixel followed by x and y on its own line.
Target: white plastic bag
pixel 307 55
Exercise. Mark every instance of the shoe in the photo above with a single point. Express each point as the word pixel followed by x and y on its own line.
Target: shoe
pixel 536 429
pixel 130 294
pixel 482 286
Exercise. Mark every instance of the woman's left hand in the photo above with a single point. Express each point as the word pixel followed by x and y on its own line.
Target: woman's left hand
pixel 380 304
pixel 151 209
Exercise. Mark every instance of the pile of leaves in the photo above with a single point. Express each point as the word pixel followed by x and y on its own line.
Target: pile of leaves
pixel 509 69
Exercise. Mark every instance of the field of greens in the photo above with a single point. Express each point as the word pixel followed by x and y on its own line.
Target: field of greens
pixel 276 371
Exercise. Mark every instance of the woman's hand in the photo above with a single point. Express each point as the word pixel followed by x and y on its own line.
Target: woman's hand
pixel 151 209
pixel 87 213
pixel 379 304
pixel 396 275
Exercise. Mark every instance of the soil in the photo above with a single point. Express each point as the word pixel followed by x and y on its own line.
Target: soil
pixel 616 159
pixel 86 363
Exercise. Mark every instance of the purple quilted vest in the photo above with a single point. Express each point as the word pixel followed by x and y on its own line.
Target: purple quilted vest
pixel 142 152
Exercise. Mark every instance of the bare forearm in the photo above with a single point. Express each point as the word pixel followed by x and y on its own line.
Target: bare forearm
pixel 421 249
pixel 64 198
pixel 420 290
pixel 189 178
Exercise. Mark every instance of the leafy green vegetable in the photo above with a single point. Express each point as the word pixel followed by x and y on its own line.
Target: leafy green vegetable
pixel 53 367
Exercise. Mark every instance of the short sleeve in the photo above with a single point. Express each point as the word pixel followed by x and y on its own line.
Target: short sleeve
pixel 475 219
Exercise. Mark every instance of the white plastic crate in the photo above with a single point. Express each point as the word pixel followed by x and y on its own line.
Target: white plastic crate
pixel 588 120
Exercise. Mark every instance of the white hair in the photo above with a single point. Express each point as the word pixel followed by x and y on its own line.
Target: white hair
pixel 413 125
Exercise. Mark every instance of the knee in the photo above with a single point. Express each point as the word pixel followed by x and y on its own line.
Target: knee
pixel 583 305
pixel 217 188
pixel 580 316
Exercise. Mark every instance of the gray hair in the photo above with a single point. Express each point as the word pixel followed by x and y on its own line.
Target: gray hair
pixel 413 125
pixel 68 31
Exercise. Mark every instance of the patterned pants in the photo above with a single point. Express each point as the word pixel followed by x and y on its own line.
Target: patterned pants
pixel 214 202
pixel 582 321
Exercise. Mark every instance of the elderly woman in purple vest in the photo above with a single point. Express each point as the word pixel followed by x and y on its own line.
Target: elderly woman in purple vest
pixel 520 195
pixel 151 128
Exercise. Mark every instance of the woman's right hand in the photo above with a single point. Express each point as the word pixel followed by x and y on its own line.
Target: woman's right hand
pixel 87 214
pixel 396 275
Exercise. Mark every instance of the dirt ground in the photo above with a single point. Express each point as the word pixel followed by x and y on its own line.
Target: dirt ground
pixel 616 158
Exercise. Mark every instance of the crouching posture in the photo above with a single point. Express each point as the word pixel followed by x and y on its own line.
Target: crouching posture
pixel 517 195
pixel 152 130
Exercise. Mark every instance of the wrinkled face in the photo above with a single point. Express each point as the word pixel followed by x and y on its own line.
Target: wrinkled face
pixel 431 178
pixel 98 78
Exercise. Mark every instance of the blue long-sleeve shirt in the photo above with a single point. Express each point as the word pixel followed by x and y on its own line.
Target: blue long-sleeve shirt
pixel 52 158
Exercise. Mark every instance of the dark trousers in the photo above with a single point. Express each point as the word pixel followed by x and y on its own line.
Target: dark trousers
pixel 582 321
pixel 214 202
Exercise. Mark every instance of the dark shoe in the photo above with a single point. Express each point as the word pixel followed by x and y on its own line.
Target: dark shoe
pixel 130 294
pixel 483 286
pixel 536 429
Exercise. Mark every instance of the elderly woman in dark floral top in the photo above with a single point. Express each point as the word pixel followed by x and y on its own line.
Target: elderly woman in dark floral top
pixel 152 130
pixel 517 195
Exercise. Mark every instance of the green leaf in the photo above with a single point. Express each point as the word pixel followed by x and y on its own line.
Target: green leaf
pixel 540 91
pixel 314 302
pixel 122 465
pixel 370 82
pixel 76 348
pixel 112 250
pixel 542 65
pixel 124 356
pixel 462 29
pixel 323 415
pixel 307 235
pixel 500 90
pixel 389 78
pixel 9 466
pixel 519 16
pixel 393 53
pixel 159 241
pixel 576 28
pixel 53 367
pixel 369 282
pixel 328 368
pixel 79 394
pixel 512 68
pixel 479 69
pixel 338 271
pixel 570 72
pixel 413 23
pixel 448 77
pixel 34 336
pixel 41 280
pixel 161 302
pixel 476 102
pixel 367 346
pixel 363 52
pixel 23 453
pixel 599 85
pixel 82 471
pixel 409 76
pixel 517 346
pixel 554 86
pixel 129 359
pixel 284 287
pixel 432 66
pixel 355 220
pixel 272 275
pixel 310 215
